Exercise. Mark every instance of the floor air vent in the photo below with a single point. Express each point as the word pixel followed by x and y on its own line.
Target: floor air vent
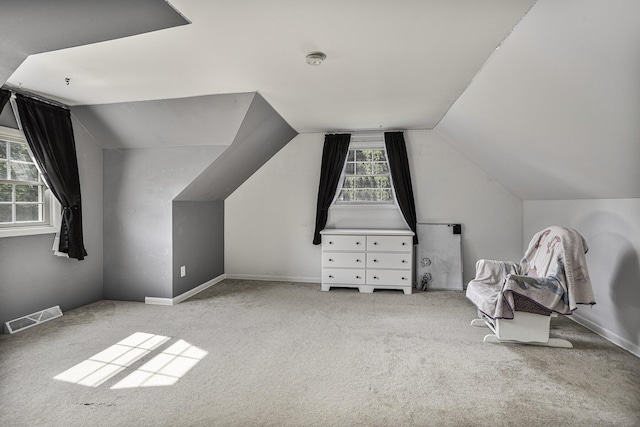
pixel 25 322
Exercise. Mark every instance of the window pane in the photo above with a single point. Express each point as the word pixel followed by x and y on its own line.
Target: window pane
pixel 385 195
pixel 349 169
pixel 28 212
pixel 359 182
pixel 20 152
pixel 5 213
pixel 3 149
pixel 27 193
pixel 350 155
pixel 347 196
pixel 348 182
pixel 383 182
pixel 380 168
pixel 363 168
pixel 361 155
pixel 24 172
pixel 366 177
pixel 3 169
pixel 5 192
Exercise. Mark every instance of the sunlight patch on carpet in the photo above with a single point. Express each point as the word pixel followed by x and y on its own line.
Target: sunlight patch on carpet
pixel 99 368
pixel 166 368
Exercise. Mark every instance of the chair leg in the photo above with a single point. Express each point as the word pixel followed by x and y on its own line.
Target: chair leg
pixel 552 342
pixel 478 322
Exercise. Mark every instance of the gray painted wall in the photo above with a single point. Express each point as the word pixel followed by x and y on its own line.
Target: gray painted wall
pixel 262 134
pixel 198 243
pixel 32 278
pixel 139 187
pixel 7 119
pixel 140 184
pixel 612 231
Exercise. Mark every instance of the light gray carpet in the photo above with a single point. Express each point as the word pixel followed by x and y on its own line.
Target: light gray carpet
pixel 285 354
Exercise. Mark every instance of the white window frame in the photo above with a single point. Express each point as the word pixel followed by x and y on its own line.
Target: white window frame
pixel 365 141
pixel 51 208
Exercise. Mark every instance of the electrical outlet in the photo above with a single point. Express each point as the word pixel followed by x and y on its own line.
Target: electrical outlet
pixel 183 271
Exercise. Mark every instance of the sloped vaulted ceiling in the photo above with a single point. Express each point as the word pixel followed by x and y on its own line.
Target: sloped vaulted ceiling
pixel 555 112
pixel 391 64
pixel 552 114
pixel 35 26
pixel 201 120
pixel 245 124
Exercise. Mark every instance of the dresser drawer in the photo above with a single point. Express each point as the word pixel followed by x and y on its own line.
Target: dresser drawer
pixel 389 260
pixel 343 243
pixel 343 259
pixel 337 275
pixel 390 243
pixel 389 277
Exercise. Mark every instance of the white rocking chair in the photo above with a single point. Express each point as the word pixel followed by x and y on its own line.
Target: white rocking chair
pixel 517 301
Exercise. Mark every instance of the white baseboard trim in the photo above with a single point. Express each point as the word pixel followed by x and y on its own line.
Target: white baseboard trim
pixel 184 296
pixel 606 334
pixel 274 278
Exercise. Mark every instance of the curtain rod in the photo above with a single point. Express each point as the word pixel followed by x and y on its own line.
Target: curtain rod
pixel 35 96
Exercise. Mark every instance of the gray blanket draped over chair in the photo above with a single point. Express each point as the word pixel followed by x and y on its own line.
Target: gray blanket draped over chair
pixel 553 275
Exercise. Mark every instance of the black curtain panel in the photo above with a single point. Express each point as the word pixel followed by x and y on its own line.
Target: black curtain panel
pixel 399 167
pixel 49 132
pixel 4 97
pixel 334 154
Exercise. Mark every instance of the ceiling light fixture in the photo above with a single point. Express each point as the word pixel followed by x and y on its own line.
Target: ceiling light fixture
pixel 315 58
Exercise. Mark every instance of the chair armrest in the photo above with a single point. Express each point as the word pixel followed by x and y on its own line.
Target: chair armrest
pixel 494 272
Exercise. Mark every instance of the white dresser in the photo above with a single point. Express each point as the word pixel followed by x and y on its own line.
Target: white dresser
pixel 367 259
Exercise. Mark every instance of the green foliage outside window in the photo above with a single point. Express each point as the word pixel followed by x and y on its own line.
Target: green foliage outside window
pixel 366 177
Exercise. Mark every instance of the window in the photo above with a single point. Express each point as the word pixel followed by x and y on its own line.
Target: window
pixel 24 197
pixel 366 177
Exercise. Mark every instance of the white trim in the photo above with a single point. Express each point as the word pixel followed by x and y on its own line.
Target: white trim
pixel 186 295
pixel 317 280
pixel 18 231
pixel 51 223
pixel 606 334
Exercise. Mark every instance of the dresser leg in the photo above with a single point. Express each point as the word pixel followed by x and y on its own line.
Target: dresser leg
pixel 325 287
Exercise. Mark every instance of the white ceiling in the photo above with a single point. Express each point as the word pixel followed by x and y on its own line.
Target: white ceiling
pixel 390 65
pixel 552 114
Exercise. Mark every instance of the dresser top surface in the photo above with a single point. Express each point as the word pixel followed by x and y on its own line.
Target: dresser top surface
pixel 366 232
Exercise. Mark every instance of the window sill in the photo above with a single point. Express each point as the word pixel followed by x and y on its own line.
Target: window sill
pixel 27 231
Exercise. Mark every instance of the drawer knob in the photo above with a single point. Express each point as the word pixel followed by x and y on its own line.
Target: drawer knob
pixel 375 243
pixel 404 278
pixel 358 260
pixel 404 261
pixel 330 276
pixel 357 243
pixel 375 260
pixel 331 243
pixel 404 243
pixel 375 277
pixel 330 260
pixel 357 277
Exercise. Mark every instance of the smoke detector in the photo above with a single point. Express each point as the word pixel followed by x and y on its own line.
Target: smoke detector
pixel 315 58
